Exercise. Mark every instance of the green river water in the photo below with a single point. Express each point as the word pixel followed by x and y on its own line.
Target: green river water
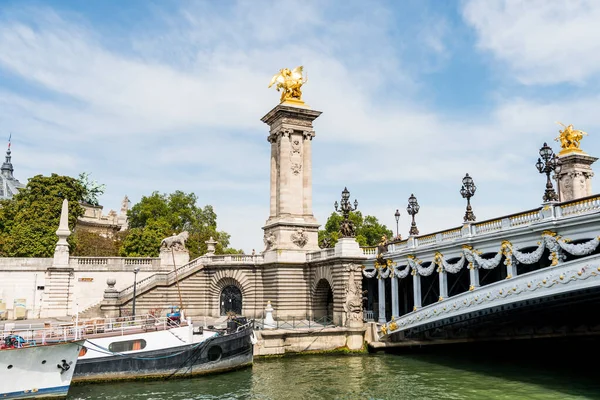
pixel 480 375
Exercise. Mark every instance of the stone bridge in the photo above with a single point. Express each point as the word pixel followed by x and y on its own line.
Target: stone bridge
pixel 527 274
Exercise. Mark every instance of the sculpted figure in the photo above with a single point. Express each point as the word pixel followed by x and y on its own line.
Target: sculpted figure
pixel 353 306
pixel 269 240
pixel 289 83
pixel 347 228
pixel 299 237
pixel 569 138
pixel 175 242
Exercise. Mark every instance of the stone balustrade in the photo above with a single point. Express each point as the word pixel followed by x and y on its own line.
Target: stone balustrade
pixel 115 263
pixel 550 212
pixel 580 206
pixel 512 237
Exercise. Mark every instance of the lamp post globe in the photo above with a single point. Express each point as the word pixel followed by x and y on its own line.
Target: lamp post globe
pixel 412 209
pixel 397 215
pixel 546 164
pixel 467 191
pixel 135 272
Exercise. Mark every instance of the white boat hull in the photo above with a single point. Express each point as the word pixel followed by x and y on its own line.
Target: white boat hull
pixel 34 372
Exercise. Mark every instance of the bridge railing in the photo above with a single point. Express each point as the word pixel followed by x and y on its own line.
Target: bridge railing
pixel 116 262
pixel 552 211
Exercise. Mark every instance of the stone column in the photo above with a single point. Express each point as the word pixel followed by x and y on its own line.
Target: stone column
pixel 395 303
pixel 307 173
pixel 291 229
pixel 511 270
pixel 443 284
pixel 474 277
pixel 575 178
pixel 417 289
pixel 284 172
pixel 381 290
pixel 274 178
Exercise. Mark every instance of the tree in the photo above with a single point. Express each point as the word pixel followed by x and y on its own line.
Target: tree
pixel 28 222
pixel 368 230
pixel 93 244
pixel 160 215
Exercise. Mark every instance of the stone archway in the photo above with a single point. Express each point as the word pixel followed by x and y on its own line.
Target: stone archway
pixel 230 300
pixel 323 300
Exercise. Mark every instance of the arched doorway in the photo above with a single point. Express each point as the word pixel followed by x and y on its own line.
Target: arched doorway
pixel 231 300
pixel 323 300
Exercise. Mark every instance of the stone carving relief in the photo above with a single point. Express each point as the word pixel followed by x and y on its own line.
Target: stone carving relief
pixel 296 146
pixel 296 168
pixel 308 135
pixel 299 122
pixel 175 242
pixel 269 240
pixel 299 238
pixel 566 190
pixel 353 306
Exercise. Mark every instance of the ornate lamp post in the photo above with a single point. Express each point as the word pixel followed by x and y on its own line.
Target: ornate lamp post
pixel 467 191
pixel 347 228
pixel 412 209
pixel 135 272
pixel 397 215
pixel 550 163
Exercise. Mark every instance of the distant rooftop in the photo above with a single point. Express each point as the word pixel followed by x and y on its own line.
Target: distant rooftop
pixel 9 186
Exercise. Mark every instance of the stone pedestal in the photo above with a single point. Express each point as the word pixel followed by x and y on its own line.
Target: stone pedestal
pixel 291 229
pixel 269 322
pixel 181 257
pixel 575 178
pixel 356 337
pixel 348 247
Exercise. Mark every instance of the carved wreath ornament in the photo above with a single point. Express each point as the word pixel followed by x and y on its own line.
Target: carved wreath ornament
pixel 299 238
pixel 550 240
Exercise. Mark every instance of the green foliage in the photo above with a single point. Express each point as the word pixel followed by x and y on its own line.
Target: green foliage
pixel 368 230
pixel 92 244
pixel 160 215
pixel 28 222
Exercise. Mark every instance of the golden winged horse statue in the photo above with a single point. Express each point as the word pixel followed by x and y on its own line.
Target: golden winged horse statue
pixel 289 83
pixel 569 138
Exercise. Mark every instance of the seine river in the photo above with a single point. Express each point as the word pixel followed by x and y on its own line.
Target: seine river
pixel 509 372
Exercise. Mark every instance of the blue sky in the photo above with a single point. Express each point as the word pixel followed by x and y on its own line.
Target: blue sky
pixel 168 95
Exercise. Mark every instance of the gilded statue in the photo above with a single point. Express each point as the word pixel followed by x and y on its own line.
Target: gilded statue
pixel 289 83
pixel 569 138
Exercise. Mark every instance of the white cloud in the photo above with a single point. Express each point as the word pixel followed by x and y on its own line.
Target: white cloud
pixel 182 112
pixel 542 41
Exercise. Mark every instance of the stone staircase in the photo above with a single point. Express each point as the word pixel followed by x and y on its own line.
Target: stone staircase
pixel 59 291
pixel 150 292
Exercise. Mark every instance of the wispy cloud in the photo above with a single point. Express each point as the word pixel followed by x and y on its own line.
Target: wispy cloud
pixel 176 104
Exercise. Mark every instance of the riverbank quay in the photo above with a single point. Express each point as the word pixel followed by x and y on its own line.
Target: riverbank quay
pixel 314 340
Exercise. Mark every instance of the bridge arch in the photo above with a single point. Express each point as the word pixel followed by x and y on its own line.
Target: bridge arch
pixel 322 294
pixel 227 291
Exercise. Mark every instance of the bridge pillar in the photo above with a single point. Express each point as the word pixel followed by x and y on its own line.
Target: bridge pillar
pixel 381 290
pixel 474 275
pixel 443 285
pixel 417 290
pixel 511 270
pixel 395 303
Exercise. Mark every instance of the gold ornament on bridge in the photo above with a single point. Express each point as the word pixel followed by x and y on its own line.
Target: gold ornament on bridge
pixel 569 139
pixel 289 84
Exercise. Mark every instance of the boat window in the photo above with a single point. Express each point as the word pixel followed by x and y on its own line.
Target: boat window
pixel 127 345
pixel 214 353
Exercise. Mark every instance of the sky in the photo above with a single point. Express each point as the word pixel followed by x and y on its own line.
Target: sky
pixel 168 95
